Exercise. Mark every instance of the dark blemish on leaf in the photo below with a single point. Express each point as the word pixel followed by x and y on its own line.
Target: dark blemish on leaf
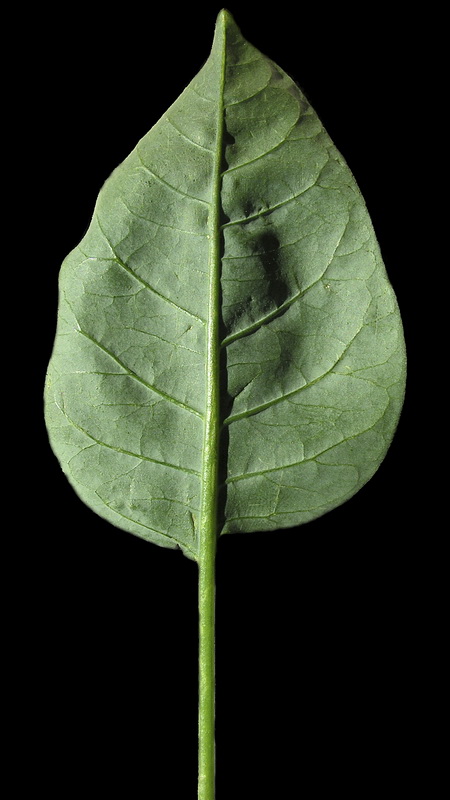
pixel 228 143
pixel 248 209
pixel 277 290
pixel 269 291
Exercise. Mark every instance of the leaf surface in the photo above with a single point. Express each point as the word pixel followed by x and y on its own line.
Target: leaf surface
pixel 230 284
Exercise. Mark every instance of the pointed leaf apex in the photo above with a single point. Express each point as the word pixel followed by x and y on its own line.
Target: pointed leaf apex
pixel 224 16
pixel 225 20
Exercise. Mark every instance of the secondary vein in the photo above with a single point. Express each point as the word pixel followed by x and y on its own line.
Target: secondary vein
pixel 281 398
pixel 169 185
pixel 137 377
pixel 126 452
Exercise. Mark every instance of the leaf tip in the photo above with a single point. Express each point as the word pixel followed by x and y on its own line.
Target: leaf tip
pixel 224 18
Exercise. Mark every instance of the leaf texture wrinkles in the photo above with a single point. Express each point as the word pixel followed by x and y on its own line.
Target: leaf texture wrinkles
pixel 231 255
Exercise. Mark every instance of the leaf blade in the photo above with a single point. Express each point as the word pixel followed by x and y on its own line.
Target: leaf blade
pixel 311 332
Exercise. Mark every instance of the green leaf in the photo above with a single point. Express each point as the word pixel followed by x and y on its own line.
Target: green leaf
pixel 229 354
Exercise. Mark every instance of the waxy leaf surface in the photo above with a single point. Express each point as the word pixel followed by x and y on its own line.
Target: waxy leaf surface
pixel 238 185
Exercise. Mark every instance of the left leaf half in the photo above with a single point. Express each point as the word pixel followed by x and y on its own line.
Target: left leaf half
pixel 125 390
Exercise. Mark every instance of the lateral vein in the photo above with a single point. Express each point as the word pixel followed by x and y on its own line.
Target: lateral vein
pixel 169 185
pixel 187 138
pixel 126 452
pixel 178 542
pixel 245 476
pixel 266 211
pixel 250 412
pixel 287 303
pixel 137 377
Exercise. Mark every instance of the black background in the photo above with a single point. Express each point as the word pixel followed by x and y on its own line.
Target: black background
pixel 321 629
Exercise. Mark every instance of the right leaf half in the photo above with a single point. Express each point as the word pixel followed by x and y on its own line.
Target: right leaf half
pixel 313 336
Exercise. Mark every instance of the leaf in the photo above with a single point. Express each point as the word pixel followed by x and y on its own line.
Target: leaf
pixel 229 349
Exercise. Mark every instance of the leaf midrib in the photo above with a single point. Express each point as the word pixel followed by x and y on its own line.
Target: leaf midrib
pixel 212 426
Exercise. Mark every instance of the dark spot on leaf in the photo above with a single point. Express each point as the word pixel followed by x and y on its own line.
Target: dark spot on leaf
pixel 248 208
pixel 267 245
pixel 228 142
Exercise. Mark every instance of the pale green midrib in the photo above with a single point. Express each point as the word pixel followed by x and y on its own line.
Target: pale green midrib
pixel 210 471
pixel 212 405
